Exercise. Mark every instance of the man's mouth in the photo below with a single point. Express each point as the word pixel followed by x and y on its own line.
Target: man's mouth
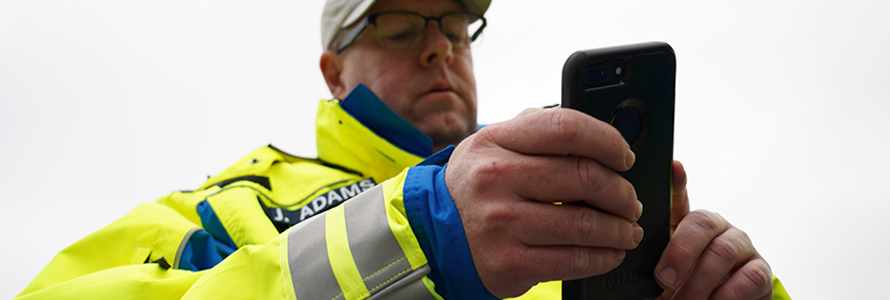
pixel 439 88
pixel 437 94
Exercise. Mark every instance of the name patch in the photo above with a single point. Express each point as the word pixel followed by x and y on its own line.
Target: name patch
pixel 320 204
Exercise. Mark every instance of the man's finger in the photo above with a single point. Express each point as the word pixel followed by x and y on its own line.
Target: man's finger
pixel 559 179
pixel 547 263
pixel 528 111
pixel 752 281
pixel 679 196
pixel 568 263
pixel 692 236
pixel 561 131
pixel 575 226
pixel 727 252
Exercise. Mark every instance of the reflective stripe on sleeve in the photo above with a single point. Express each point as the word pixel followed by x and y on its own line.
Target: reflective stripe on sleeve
pixel 382 260
pixel 342 262
pixel 308 261
pixel 398 222
pixel 350 252
pixel 414 288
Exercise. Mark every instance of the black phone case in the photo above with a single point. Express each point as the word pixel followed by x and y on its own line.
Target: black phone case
pixel 646 84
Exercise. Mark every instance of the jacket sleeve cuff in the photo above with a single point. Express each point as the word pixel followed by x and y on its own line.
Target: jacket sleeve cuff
pixel 436 223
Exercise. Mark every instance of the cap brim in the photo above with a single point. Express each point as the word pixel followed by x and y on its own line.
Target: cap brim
pixel 357 13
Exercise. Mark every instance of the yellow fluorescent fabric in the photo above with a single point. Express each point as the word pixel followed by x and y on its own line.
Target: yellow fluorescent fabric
pixel 146 281
pixel 184 203
pixel 544 290
pixel 243 227
pixel 140 253
pixel 252 272
pixel 398 221
pixel 110 263
pixel 340 256
pixel 285 270
pixel 149 229
pixel 155 230
pixel 431 286
pixel 779 292
pixel 379 157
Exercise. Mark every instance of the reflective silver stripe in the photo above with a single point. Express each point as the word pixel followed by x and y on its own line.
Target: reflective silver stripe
pixel 377 254
pixel 382 264
pixel 308 261
pixel 408 287
pixel 182 244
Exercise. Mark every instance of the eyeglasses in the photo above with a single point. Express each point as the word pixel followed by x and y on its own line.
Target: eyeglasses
pixel 406 30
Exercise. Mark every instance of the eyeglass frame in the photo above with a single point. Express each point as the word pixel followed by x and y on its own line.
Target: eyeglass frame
pixel 372 20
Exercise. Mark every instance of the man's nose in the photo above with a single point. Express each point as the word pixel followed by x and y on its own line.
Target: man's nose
pixel 437 48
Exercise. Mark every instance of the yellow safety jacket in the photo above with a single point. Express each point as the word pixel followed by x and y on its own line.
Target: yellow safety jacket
pixel 272 226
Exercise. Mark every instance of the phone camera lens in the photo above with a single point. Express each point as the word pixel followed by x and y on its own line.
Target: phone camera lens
pixel 596 74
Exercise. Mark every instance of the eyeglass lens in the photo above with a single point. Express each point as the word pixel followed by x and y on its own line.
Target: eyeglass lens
pixel 405 30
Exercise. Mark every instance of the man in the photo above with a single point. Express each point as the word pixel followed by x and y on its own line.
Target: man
pixel 482 226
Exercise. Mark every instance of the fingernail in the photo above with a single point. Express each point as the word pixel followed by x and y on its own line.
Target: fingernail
pixel 639 210
pixel 620 254
pixel 668 276
pixel 629 158
pixel 638 233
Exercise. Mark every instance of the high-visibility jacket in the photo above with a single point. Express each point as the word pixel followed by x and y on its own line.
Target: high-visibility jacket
pixel 272 226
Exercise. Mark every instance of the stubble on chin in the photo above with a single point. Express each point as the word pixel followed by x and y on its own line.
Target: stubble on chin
pixel 447 131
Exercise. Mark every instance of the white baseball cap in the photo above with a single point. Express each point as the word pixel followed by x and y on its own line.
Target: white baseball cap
pixel 339 14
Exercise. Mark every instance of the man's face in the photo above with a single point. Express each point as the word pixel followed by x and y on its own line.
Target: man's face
pixel 431 86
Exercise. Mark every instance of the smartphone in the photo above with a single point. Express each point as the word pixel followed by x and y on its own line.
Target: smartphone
pixel 630 87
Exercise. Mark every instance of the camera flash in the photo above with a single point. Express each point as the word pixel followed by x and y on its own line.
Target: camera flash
pixel 618 71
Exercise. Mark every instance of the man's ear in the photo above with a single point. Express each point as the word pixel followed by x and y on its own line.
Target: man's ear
pixel 331 68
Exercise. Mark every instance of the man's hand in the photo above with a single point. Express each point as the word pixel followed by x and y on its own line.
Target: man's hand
pixel 505 179
pixel 708 258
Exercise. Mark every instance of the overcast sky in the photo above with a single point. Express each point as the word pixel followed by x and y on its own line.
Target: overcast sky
pixel 781 111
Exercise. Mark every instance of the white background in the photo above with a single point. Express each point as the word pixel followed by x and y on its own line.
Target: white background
pixel 781 111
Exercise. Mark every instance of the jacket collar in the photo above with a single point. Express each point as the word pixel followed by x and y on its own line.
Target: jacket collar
pixel 362 134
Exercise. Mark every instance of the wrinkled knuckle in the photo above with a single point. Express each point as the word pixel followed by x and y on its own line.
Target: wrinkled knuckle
pixel 490 172
pixel 483 135
pixel 588 223
pixel 580 264
pixel 743 241
pixel 709 221
pixel 724 250
pixel 565 127
pixel 588 177
pixel 743 235
pixel 498 218
pixel 759 276
pixel 683 252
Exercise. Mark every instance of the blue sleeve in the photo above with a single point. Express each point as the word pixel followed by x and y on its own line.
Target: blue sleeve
pixel 436 223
